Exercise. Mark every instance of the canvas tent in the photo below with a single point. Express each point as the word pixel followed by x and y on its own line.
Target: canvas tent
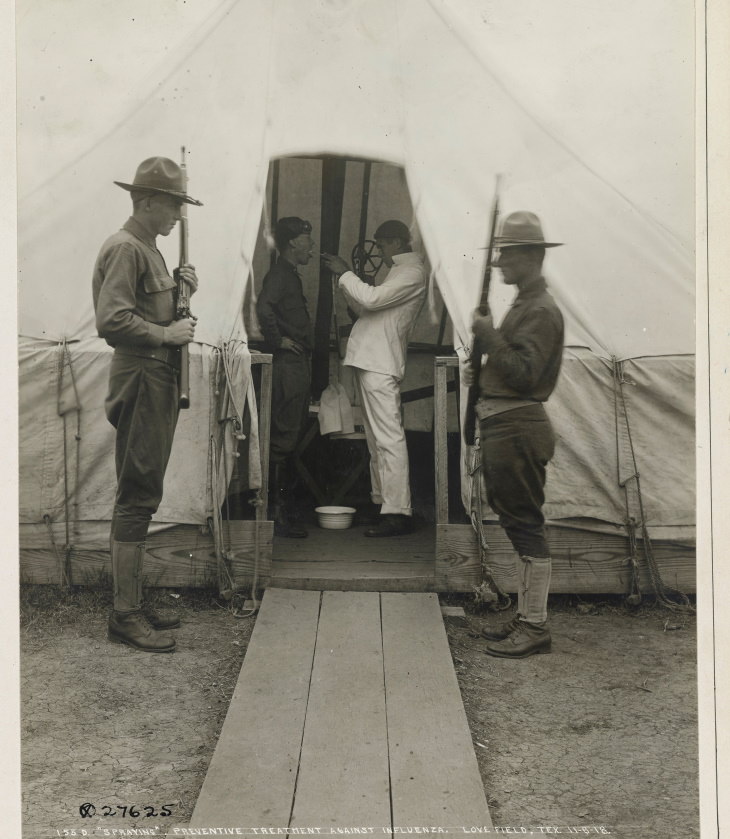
pixel 414 83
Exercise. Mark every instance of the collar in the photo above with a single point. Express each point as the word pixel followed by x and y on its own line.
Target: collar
pixel 136 229
pixel 282 262
pixel 405 258
pixel 532 289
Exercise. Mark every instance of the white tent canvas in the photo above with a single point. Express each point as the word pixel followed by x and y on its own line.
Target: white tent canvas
pixel 453 92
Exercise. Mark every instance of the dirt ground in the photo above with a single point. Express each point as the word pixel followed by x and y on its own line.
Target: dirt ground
pixel 601 733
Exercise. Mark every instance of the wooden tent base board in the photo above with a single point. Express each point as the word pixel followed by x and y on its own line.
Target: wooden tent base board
pixel 444 558
pixel 583 562
pixel 178 557
pixel 346 714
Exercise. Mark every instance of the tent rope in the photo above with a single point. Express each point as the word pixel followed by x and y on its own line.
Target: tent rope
pixel 226 584
pixel 63 362
pixel 666 596
pixel 223 550
pixel 62 571
pixel 488 591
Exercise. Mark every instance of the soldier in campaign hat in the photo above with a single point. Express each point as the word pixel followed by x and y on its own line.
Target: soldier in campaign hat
pixel 516 438
pixel 287 329
pixel 134 300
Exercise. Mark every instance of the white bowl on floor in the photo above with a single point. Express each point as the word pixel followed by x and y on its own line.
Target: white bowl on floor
pixel 335 518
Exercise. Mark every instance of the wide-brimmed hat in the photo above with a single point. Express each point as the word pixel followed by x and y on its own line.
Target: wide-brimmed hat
pixel 162 175
pixel 520 229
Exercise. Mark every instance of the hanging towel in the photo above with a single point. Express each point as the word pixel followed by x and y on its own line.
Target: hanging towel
pixel 335 411
pixel 348 425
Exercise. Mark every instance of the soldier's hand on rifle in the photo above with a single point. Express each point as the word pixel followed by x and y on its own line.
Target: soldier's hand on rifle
pixel 483 327
pixel 180 332
pixel 187 273
pixel 467 374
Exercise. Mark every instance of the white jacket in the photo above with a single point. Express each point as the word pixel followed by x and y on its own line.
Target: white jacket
pixel 386 315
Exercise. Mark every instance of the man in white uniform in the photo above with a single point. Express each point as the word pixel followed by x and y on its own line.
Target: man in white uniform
pixel 386 314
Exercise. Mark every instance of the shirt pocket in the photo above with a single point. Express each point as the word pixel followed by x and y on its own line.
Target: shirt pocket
pixel 293 308
pixel 156 283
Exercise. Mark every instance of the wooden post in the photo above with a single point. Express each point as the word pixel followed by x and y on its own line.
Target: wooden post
pixel 274 204
pixel 264 360
pixel 333 190
pixel 440 443
pixel 363 230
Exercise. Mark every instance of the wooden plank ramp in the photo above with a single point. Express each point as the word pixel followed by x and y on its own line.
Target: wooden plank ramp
pixel 346 719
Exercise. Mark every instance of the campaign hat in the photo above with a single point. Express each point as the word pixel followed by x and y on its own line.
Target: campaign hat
pixel 522 229
pixel 160 175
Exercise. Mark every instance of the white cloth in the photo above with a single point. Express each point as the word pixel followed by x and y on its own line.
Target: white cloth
pixel 335 411
pixel 386 315
pixel 380 399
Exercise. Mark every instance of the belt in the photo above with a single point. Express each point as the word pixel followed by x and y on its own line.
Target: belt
pixel 168 355
pixel 489 406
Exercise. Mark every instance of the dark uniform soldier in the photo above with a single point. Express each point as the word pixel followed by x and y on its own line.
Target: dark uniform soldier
pixel 287 329
pixel 134 300
pixel 517 440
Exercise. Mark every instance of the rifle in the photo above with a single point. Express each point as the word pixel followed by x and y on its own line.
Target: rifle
pixel 183 298
pixel 475 359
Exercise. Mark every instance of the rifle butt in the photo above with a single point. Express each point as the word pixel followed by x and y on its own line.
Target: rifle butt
pixel 184 398
pixel 470 418
pixel 470 415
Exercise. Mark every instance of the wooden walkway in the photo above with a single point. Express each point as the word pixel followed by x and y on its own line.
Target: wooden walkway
pixel 347 714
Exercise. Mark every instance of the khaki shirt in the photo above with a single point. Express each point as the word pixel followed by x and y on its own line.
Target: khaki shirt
pixel 134 294
pixel 526 351
pixel 282 308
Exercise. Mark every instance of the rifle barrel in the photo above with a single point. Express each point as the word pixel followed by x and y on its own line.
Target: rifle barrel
pixel 475 359
pixel 183 298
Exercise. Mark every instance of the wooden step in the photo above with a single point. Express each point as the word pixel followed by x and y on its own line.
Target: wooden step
pixel 346 560
pixel 347 714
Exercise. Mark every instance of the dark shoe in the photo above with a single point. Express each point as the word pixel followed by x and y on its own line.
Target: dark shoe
pixel 135 630
pixel 367 516
pixel 289 530
pixel 391 524
pixel 499 633
pixel 526 639
pixel 158 621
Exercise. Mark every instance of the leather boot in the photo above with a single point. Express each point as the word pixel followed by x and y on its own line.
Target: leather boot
pixel 160 621
pixel 283 526
pixel 530 634
pixel 127 623
pixel 134 629
pixel 499 633
pixel 526 639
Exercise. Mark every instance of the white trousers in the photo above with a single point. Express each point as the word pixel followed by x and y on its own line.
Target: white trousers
pixel 386 439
